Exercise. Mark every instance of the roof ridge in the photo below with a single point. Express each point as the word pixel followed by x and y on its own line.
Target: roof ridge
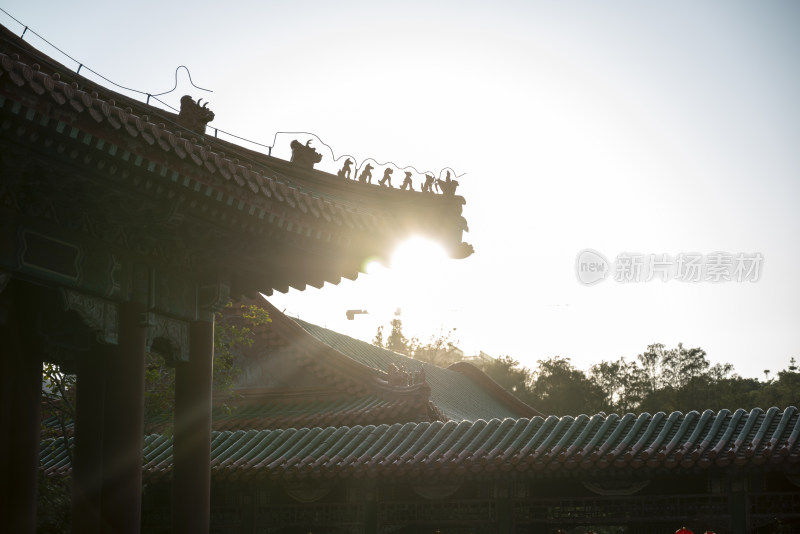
pixel 349 370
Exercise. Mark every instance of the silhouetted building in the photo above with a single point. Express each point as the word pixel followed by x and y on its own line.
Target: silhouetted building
pixel 123 228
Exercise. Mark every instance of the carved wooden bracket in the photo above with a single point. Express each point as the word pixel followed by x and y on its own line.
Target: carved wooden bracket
pixel 168 337
pixel 98 314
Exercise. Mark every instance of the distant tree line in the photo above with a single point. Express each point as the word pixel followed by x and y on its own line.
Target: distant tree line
pixel 658 379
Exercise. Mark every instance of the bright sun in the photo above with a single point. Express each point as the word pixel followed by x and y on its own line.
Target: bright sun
pixel 412 257
pixel 412 282
pixel 412 275
pixel 417 255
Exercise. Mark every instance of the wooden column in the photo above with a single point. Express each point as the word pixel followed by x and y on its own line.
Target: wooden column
pixel 191 452
pixel 20 408
pixel 124 424
pixel 87 459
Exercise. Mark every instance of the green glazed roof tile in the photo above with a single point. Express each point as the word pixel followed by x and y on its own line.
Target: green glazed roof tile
pixel 455 394
pixel 572 445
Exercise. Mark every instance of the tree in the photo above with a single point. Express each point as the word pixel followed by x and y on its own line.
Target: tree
pixel 561 389
pixel 378 339
pixel 509 374
pixel 54 496
pixel 672 379
pixel 58 396
pixel 233 331
pixel 440 349
pixel 650 373
pixel 397 341
pixel 734 392
pixel 618 383
pixel 662 379
pixel 783 391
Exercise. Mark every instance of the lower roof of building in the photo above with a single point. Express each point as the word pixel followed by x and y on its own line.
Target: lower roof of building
pixel 525 448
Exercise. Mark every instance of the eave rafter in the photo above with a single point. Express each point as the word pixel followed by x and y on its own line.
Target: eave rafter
pixel 329 227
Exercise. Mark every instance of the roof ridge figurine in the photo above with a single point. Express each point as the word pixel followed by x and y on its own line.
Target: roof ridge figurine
pixel 407 182
pixel 193 116
pixel 366 174
pixel 304 156
pixel 387 176
pixel 345 171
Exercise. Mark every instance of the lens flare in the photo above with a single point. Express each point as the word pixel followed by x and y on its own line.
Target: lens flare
pixel 417 255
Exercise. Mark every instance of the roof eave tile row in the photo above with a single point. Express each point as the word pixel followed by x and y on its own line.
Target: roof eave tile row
pixel 254 186
pixel 519 447
pixel 251 182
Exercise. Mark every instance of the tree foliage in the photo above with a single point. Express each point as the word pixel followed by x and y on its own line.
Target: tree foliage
pixel 559 388
pixel 440 349
pixel 507 372
pixel 658 379
pixel 233 331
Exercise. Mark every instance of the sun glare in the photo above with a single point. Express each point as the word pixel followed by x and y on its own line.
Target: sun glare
pixel 411 282
pixel 374 267
pixel 417 254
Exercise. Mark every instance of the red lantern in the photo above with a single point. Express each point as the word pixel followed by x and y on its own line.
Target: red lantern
pixel 684 530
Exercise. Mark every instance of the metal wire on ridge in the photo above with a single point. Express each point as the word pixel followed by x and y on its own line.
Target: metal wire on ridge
pixel 359 166
pixel 216 130
pixel 189 74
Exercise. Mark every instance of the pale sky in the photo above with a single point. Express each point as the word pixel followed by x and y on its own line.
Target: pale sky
pixel 625 127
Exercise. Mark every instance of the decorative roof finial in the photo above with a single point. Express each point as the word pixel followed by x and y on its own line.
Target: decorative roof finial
pixel 387 176
pixel 366 174
pixel 447 186
pixel 407 182
pixel 193 116
pixel 344 172
pixel 427 187
pixel 304 155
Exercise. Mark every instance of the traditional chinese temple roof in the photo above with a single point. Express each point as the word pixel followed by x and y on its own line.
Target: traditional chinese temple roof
pixel 209 204
pixel 299 374
pixel 519 448
pixel 460 392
